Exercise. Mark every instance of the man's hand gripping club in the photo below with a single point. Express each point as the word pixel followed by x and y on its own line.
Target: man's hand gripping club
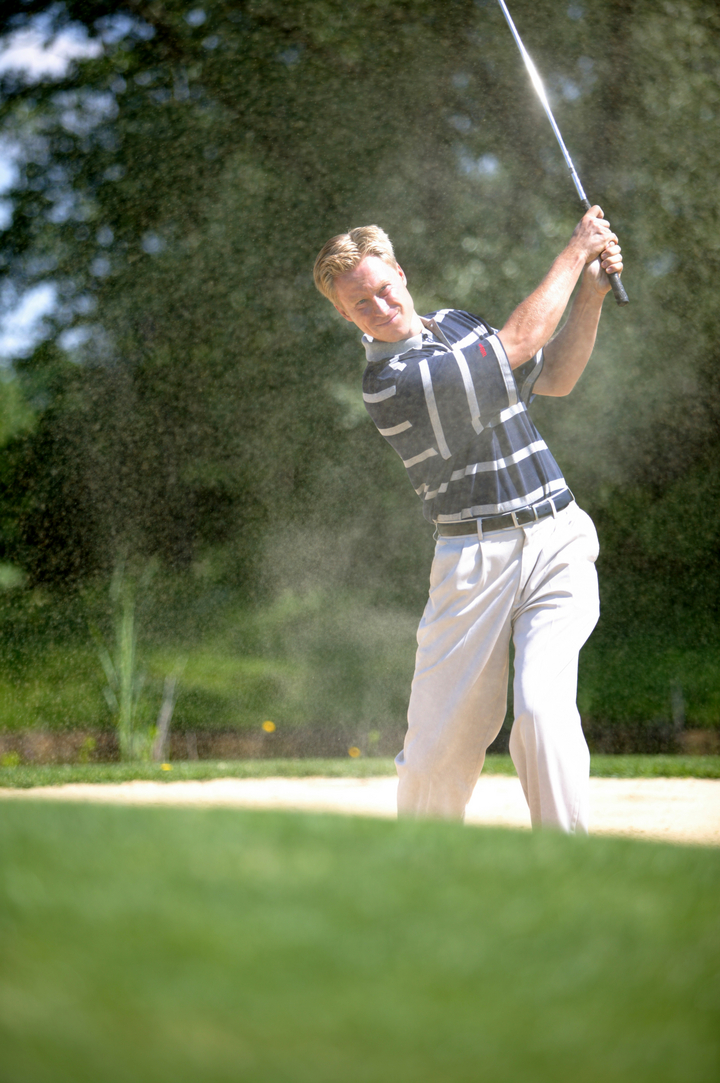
pixel 593 252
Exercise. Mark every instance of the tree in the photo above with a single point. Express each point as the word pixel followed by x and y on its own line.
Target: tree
pixel 196 395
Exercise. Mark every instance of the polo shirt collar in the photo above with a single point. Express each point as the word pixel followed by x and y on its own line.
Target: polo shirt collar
pixel 381 351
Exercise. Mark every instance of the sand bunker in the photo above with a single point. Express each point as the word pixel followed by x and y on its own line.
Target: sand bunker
pixel 675 810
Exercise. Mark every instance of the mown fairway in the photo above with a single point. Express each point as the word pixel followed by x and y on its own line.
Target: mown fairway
pixel 25 775
pixel 143 944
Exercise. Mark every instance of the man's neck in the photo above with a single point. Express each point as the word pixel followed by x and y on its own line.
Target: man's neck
pixel 377 350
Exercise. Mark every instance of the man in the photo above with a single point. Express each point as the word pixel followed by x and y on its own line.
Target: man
pixel 515 555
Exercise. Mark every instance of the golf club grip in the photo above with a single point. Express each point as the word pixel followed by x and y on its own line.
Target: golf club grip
pixel 618 289
pixel 615 281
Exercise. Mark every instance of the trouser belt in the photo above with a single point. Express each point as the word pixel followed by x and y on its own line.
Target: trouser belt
pixel 509 520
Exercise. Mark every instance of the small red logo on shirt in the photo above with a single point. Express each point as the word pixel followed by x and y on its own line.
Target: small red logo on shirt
pixel 482 349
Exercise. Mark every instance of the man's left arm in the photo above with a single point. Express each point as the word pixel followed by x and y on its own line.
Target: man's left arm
pixel 568 352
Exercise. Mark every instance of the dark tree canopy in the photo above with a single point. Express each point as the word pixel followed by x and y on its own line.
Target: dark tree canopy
pixel 194 394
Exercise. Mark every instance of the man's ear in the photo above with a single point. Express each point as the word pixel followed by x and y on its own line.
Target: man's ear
pixel 402 274
pixel 343 314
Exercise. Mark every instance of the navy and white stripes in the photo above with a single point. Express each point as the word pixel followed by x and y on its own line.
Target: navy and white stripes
pixel 449 404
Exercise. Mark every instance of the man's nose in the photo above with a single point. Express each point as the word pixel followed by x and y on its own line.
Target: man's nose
pixel 381 307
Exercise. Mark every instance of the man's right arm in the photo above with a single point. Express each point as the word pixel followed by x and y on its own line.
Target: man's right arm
pixel 535 320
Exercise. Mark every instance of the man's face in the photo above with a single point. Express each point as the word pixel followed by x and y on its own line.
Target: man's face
pixel 374 296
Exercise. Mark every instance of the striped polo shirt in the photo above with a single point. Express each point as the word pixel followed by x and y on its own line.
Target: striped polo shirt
pixel 449 404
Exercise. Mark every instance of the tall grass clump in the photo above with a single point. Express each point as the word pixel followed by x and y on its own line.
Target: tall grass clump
pixel 125 680
pixel 139 738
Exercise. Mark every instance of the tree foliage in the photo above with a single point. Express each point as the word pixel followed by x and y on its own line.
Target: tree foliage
pixel 194 398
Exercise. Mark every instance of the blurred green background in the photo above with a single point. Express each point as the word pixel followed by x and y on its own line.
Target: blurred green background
pixel 149 944
pixel 190 405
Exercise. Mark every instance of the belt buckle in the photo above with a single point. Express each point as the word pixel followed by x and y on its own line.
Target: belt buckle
pixel 525 515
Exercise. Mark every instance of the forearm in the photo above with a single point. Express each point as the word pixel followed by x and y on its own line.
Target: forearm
pixel 567 354
pixel 535 320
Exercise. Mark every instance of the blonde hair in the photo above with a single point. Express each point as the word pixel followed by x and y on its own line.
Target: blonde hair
pixel 343 253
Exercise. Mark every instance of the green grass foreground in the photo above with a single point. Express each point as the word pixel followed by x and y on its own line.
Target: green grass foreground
pixel 179 945
pixel 26 775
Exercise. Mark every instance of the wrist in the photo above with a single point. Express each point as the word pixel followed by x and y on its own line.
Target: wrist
pixel 594 285
pixel 578 254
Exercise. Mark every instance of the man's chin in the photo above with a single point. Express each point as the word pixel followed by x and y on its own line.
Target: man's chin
pixel 391 333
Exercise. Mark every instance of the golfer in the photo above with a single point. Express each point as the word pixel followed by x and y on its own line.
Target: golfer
pixel 515 555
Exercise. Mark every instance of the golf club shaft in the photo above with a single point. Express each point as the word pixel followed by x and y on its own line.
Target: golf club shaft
pixel 615 281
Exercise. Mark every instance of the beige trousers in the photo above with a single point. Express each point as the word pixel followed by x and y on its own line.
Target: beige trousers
pixel 537 585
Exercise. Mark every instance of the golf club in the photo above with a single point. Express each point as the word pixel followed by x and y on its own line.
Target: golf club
pixel 615 281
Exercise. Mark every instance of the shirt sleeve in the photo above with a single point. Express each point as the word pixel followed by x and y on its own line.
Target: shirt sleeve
pixel 526 377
